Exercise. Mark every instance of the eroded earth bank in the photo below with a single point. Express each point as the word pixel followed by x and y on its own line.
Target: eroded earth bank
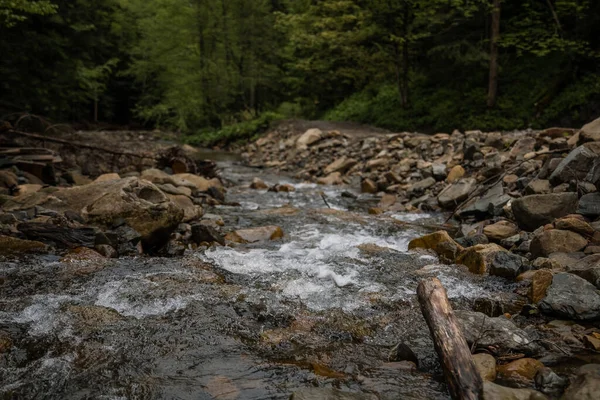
pixel 132 268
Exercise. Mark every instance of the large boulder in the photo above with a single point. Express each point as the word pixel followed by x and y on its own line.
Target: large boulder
pixel 138 202
pixel 556 241
pixel 498 332
pixel 577 164
pixel 586 385
pixel 534 211
pixel 590 132
pixel 571 297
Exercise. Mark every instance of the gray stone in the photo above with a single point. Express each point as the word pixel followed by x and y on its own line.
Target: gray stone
pixel 587 268
pixel 490 203
pixel 422 185
pixel 589 205
pixel 547 382
pixel 572 297
pixel 439 171
pixel 205 233
pixel 577 164
pixel 508 265
pixel 534 211
pixel 457 192
pixel 538 186
pixel 586 385
pixel 499 332
pixel 590 131
pixel 492 391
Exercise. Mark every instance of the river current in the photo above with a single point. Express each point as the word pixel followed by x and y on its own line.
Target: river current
pixel 326 306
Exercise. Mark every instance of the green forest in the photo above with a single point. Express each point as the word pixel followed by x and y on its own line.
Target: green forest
pixel 222 69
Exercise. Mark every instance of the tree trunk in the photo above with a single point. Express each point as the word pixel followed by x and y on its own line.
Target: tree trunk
pixel 405 55
pixel 495 35
pixel 462 377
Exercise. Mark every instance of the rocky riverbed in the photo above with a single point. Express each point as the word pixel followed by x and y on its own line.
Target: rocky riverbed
pixel 172 277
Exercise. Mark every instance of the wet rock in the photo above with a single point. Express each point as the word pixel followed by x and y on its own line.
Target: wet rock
pixel 491 391
pixel 589 205
pixel 329 394
pixel 572 297
pixel 341 165
pixel 456 173
pixel 200 183
pixel 486 365
pixel 222 388
pixel 472 240
pixel 577 164
pixel 456 193
pixel 387 200
pixel 253 235
pixel 139 203
pixel 500 230
pixel 173 248
pixel 129 240
pixel 538 186
pixel 89 316
pixel 534 211
pixel 440 242
pixel 204 233
pixel 498 332
pixel 546 263
pixel 401 352
pixel 556 241
pixel 586 384
pixel 520 373
pixel 285 187
pixel 335 178
pixel 508 265
pixel 5 342
pixel 106 250
pixel 368 186
pixel 82 254
pixel 540 282
pixel 259 184
pixel 11 246
pixel 587 268
pixel 479 258
pixel 308 138
pixel 547 382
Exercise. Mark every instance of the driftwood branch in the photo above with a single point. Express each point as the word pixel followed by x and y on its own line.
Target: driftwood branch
pixel 80 145
pixel 462 377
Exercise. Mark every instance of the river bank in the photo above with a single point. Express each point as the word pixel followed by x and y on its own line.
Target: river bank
pixel 200 280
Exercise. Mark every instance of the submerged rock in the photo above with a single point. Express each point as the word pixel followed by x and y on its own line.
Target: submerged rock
pixel 329 394
pixel 586 385
pixel 521 372
pixel 491 391
pixel 252 235
pixel 11 246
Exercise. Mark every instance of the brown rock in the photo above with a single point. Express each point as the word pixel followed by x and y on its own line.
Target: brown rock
pixel 500 230
pixel 201 183
pixel 486 365
pixel 5 342
pixel 556 241
pixel 368 186
pixel 478 258
pixel 592 341
pixel 341 165
pixel 574 225
pixel 510 179
pixel 440 242
pixel 534 211
pixel 540 282
pixel 259 184
pixel 308 138
pixel 538 186
pixel 285 187
pixel 191 211
pixel 590 132
pixel 26 189
pixel 387 200
pixel 253 235
pixel 491 391
pixel 335 178
pixel 107 177
pixel 456 173
pixel 11 246
pixel 520 372
pixel 82 254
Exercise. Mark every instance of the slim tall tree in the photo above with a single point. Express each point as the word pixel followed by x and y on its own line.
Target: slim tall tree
pixel 494 37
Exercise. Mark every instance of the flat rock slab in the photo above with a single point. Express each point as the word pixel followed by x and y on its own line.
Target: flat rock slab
pixel 572 297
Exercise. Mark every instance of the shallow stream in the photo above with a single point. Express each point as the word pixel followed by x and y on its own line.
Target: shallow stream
pixel 325 306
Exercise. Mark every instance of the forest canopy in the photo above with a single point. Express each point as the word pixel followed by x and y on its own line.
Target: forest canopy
pixel 205 66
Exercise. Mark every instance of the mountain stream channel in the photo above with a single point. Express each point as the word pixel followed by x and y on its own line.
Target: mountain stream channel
pixel 325 306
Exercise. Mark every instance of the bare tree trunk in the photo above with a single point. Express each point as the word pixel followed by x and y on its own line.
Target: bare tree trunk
pixel 462 377
pixel 405 54
pixel 495 35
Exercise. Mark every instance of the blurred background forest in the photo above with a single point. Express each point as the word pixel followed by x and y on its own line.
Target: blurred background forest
pixel 215 69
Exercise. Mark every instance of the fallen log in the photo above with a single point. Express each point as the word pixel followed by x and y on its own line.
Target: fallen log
pixel 464 382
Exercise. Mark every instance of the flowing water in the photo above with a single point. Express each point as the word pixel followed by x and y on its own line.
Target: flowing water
pixel 325 306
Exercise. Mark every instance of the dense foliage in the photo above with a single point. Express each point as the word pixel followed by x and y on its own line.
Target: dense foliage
pixel 201 66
